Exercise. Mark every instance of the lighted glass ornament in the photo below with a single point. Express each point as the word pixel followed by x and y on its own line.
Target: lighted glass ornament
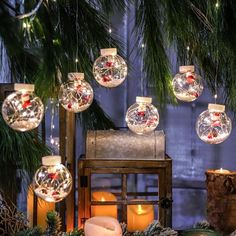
pixel 52 181
pixel 76 94
pixel 22 110
pixel 213 126
pixel 142 117
pixel 187 85
pixel 110 69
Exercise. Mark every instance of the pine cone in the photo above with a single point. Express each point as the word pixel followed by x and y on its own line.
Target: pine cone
pixel 53 224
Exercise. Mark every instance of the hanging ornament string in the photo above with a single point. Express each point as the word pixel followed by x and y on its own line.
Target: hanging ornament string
pixel 77 36
pixel 109 28
pixel 142 77
pixel 217 50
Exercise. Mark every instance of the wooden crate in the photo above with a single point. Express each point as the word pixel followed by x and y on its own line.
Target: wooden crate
pixel 162 168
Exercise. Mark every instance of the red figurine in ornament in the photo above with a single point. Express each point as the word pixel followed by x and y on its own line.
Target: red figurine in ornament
pixel 190 78
pixel 26 101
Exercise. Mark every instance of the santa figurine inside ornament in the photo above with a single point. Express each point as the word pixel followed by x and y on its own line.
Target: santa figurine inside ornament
pixel 213 125
pixel 110 69
pixel 142 117
pixel 76 94
pixel 187 85
pixel 52 181
pixel 22 110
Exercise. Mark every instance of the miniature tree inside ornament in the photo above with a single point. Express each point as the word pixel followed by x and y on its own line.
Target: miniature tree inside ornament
pixel 52 181
pixel 213 126
pixel 187 85
pixel 76 94
pixel 110 69
pixel 142 117
pixel 22 110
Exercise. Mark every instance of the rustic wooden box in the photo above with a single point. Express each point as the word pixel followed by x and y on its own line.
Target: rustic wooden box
pixel 162 168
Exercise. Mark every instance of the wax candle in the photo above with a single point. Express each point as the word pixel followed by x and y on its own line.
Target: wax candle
pixel 222 171
pixel 108 210
pixel 42 209
pixel 139 217
pixel 102 226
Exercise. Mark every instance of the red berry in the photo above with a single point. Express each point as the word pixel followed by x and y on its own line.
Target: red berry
pixel 69 106
pixel 210 136
pixel 109 64
pixel 141 113
pixel 106 78
pixel 217 114
pixel 26 104
pixel 52 175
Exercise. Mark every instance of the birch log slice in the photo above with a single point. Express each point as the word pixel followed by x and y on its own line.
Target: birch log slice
pixel 221 200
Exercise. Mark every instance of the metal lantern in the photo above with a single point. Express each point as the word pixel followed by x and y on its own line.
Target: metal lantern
pixel 22 110
pixel 142 117
pixel 187 85
pixel 213 126
pixel 132 186
pixel 76 94
pixel 52 181
pixel 110 69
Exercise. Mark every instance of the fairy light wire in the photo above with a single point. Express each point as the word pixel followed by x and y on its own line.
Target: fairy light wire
pixel 77 36
pixel 141 65
pixel 217 5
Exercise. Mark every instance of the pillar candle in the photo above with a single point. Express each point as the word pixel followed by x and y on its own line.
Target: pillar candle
pixel 108 210
pixel 42 209
pixel 139 217
pixel 102 226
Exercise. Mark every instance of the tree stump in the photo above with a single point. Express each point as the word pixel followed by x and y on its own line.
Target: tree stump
pixel 221 199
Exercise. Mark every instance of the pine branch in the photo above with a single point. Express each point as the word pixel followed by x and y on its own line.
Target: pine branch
pixel 53 224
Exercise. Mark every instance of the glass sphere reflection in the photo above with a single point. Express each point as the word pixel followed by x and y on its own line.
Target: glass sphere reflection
pixel 22 110
pixel 142 117
pixel 52 181
pixel 110 70
pixel 76 94
pixel 187 85
pixel 213 126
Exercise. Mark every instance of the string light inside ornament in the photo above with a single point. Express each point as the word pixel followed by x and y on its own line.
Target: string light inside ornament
pixel 213 126
pixel 142 117
pixel 76 94
pixel 22 110
pixel 110 69
pixel 187 85
pixel 52 181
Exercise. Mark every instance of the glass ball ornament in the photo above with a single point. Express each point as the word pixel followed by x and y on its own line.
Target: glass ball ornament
pixel 22 110
pixel 213 126
pixel 52 181
pixel 142 117
pixel 76 94
pixel 187 85
pixel 110 69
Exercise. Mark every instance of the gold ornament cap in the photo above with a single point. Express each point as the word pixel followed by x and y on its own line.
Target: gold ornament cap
pixel 108 52
pixel 51 160
pixel 24 87
pixel 216 107
pixel 144 99
pixel 76 76
pixel 185 69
